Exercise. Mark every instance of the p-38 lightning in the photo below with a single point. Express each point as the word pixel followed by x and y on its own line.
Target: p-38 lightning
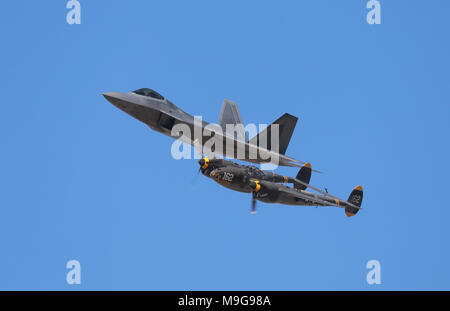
pixel 269 187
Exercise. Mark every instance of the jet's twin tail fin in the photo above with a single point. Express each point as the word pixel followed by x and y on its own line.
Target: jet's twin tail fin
pixel 230 114
pixel 286 125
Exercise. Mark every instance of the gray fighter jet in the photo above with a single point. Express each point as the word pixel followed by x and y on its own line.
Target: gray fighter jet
pixel 161 115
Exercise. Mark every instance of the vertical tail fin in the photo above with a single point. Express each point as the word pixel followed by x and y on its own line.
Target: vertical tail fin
pixel 303 175
pixel 355 198
pixel 230 115
pixel 286 125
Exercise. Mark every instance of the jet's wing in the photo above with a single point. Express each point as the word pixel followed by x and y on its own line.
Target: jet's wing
pixel 230 115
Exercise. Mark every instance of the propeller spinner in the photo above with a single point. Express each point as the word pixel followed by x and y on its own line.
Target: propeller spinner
pixel 204 162
pixel 256 186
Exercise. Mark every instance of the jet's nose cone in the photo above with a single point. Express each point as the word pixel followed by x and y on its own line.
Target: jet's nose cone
pixel 116 99
pixel 110 96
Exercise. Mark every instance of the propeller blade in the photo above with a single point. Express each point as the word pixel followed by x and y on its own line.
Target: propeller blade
pixel 253 211
pixel 195 177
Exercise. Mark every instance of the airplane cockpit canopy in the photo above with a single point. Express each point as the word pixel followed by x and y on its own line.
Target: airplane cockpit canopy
pixel 254 171
pixel 149 93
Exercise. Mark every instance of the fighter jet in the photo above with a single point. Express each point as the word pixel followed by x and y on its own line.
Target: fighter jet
pixel 269 187
pixel 161 115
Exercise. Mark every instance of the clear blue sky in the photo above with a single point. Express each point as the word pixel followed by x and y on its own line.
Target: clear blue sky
pixel 82 180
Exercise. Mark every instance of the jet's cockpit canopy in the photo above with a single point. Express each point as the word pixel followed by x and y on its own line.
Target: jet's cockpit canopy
pixel 149 93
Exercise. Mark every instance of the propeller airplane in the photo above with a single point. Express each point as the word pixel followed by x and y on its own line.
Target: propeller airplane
pixel 269 187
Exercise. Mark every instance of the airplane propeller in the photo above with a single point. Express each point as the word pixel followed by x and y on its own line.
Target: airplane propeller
pixel 255 185
pixel 253 210
pixel 203 162
pixel 195 177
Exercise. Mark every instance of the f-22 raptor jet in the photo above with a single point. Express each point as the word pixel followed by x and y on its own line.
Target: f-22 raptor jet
pixel 161 115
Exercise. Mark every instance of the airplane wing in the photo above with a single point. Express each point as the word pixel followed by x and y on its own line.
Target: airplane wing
pixel 311 197
pixel 325 193
pixel 307 197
